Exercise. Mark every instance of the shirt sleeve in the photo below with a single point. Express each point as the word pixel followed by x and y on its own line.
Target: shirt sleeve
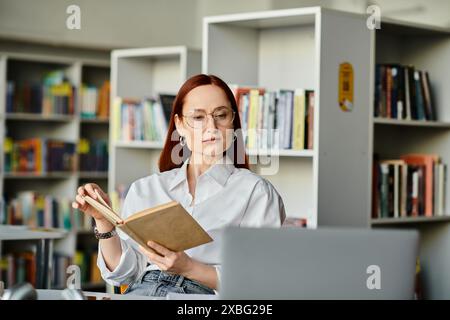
pixel 132 262
pixel 265 207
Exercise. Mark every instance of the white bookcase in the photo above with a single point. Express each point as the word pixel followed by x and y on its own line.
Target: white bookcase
pixel 28 62
pixel 140 73
pixel 303 48
pixel 331 185
pixel 87 66
pixel 427 48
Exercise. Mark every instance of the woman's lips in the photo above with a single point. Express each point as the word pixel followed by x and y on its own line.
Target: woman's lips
pixel 212 140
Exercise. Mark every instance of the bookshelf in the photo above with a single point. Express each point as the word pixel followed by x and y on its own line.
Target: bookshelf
pixel 427 48
pixel 296 48
pixel 141 73
pixel 23 62
pixel 41 242
pixel 332 186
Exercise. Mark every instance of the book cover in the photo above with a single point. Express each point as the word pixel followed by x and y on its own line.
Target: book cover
pixel 168 224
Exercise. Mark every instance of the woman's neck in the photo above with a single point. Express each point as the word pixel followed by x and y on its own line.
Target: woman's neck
pixel 198 164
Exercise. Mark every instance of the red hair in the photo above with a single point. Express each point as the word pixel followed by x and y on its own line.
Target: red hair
pixel 238 150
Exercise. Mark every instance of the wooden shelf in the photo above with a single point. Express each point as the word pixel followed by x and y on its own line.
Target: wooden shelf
pixel 45 175
pixel 282 153
pixel 159 145
pixel 408 220
pixel 415 123
pixel 93 174
pixel 39 117
pixel 139 144
pixel 95 121
pixel 8 232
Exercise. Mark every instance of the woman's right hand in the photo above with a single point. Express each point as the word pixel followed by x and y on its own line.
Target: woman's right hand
pixel 82 205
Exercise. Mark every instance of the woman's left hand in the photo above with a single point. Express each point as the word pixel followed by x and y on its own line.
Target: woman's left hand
pixel 167 260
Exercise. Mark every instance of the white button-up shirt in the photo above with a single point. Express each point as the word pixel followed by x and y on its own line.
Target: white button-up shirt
pixel 224 196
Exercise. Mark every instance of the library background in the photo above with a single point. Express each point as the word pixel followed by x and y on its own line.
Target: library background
pixel 81 105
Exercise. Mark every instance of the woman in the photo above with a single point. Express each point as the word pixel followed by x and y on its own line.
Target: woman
pixel 203 166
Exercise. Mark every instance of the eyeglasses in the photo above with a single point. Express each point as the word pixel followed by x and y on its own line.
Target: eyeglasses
pixel 222 116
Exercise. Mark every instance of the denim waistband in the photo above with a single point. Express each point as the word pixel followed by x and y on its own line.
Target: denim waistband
pixel 161 276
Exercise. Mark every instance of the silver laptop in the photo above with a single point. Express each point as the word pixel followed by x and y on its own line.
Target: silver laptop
pixel 293 263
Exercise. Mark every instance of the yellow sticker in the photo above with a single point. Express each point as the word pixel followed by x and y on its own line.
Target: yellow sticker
pixel 346 86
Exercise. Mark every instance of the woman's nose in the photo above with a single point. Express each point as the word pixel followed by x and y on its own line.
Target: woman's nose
pixel 210 122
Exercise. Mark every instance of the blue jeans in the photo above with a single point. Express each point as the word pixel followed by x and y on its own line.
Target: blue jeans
pixel 159 283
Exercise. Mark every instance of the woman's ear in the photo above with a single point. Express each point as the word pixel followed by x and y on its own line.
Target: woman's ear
pixel 179 125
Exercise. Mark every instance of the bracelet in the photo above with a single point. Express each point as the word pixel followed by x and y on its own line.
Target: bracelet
pixel 104 235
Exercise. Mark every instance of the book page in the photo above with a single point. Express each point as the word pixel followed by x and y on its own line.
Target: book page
pixel 109 215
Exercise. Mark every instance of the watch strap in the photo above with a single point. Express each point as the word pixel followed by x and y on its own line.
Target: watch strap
pixel 104 235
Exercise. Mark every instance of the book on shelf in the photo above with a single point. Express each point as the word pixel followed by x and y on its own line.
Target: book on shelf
pixel 82 222
pixel 139 120
pixel 54 94
pixel 117 196
pixel 239 92
pixel 87 261
pixel 166 100
pixel 8 147
pixel 59 271
pixel 280 119
pixel 95 101
pixel 39 155
pixel 403 93
pixel 168 224
pixel 412 186
pixel 427 162
pixel 93 155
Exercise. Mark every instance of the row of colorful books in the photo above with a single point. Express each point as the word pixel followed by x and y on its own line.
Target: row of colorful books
pixel 20 267
pixel 39 155
pixel 95 101
pixel 54 94
pixel 412 186
pixel 85 260
pixel 282 119
pixel 402 92
pixel 34 209
pixel 118 196
pixel 93 155
pixel 144 120
pixel 37 210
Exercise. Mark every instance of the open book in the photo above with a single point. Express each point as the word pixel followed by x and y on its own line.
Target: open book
pixel 168 224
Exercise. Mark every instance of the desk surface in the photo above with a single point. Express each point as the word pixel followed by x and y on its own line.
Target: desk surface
pixel 50 294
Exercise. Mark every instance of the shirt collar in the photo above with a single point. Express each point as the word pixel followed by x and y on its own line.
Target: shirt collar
pixel 219 172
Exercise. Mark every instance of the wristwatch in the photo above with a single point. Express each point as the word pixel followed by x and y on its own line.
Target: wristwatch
pixel 104 235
